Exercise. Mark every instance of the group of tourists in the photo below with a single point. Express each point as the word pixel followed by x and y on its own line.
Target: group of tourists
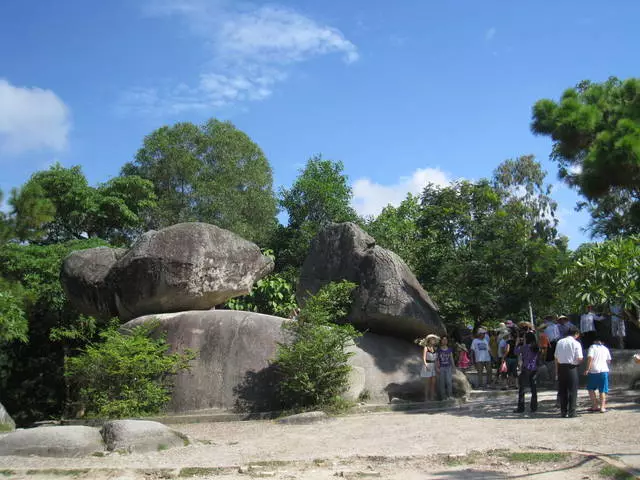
pixel 517 353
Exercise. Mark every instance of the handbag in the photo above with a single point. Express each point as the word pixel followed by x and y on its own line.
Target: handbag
pixel 503 367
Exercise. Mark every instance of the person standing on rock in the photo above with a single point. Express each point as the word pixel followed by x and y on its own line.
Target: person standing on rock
pixel 482 357
pixel 568 357
pixel 597 372
pixel 444 369
pixel 529 374
pixel 429 358
pixel 588 327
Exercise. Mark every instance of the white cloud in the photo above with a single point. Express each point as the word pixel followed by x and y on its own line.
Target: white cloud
pixel 369 198
pixel 252 50
pixel 575 169
pixel 280 35
pixel 32 119
pixel 490 33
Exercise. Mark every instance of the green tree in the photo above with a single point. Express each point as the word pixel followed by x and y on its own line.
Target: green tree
pixel 31 381
pixel 58 205
pixel 211 173
pixel 595 128
pixel 125 375
pixel 313 366
pixel 13 320
pixel 489 248
pixel 6 226
pixel 604 274
pixel 321 194
pixel 531 210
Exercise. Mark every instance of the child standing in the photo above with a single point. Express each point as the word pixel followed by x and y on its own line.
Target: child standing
pixel 598 360
pixel 444 368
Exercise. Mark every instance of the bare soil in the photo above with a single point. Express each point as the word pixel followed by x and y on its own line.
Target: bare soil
pixel 392 445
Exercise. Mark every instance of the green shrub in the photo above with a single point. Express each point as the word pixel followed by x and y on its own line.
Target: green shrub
pixel 126 375
pixel 314 367
pixel 272 295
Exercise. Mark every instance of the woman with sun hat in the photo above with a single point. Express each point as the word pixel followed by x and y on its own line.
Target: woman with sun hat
pixel 429 357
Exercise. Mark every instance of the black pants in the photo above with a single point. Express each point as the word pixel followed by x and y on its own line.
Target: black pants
pixel 528 378
pixel 567 388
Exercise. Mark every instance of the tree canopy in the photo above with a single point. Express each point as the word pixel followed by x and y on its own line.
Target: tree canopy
pixel 211 173
pixel 320 194
pixel 57 205
pixel 595 128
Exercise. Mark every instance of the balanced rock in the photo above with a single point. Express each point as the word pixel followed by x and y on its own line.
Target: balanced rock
pixel 389 299
pixel 84 278
pixel 140 436
pixel 188 266
pixel 6 422
pixel 233 369
pixel 58 441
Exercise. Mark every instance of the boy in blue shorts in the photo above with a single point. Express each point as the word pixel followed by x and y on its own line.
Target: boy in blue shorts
pixel 598 360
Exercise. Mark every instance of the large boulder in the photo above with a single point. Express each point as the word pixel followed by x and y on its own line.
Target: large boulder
pixel 389 299
pixel 624 372
pixel 188 266
pixel 235 350
pixel 6 422
pixel 58 441
pixel 84 278
pixel 140 436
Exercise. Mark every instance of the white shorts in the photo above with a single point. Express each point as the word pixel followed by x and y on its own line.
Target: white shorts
pixel 428 370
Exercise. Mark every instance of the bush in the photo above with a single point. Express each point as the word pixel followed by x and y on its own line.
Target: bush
pixel 125 375
pixel 272 295
pixel 314 367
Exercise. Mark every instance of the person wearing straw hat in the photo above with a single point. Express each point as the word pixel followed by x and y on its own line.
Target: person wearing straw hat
pixel 429 357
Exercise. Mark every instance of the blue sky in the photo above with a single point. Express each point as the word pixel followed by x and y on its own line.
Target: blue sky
pixel 402 93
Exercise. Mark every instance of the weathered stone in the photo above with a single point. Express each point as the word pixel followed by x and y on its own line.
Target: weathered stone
pixel 6 422
pixel 357 382
pixel 67 441
pixel 304 418
pixel 83 277
pixel 389 299
pixel 188 266
pixel 141 436
pixel 624 372
pixel 235 349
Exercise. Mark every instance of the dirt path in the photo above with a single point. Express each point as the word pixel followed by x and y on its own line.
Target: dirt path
pixel 393 438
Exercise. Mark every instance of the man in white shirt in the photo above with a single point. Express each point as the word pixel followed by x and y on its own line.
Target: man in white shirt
pixel 588 327
pixel 568 356
pixel 597 372
pixel 482 357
